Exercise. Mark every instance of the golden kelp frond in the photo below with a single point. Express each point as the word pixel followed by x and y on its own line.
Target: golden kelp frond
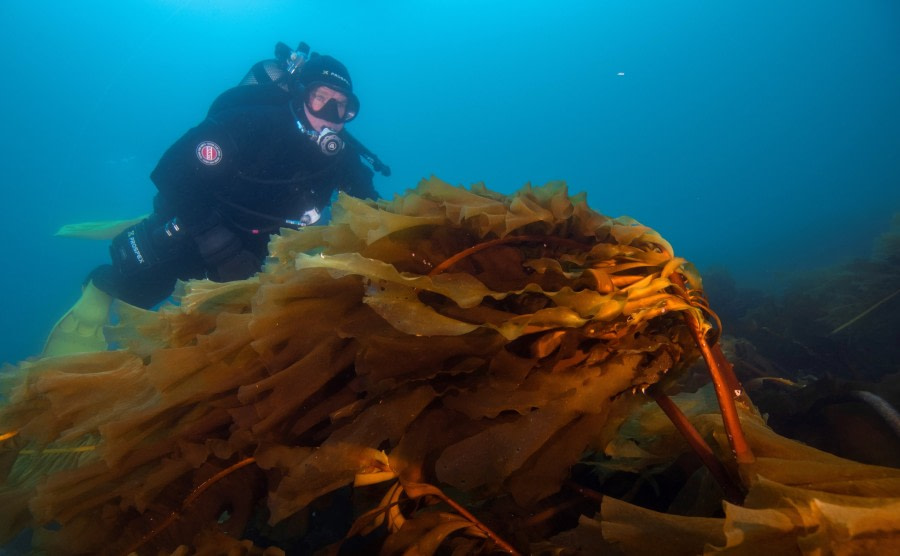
pixel 453 337
pixel 779 459
pixel 801 500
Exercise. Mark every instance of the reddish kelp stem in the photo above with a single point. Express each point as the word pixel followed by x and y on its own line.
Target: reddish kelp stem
pixel 200 489
pixel 586 492
pixel 502 544
pixel 549 513
pixel 732 491
pixel 452 260
pixel 725 383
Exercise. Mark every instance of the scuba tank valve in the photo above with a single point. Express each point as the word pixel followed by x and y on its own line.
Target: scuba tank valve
pixel 293 60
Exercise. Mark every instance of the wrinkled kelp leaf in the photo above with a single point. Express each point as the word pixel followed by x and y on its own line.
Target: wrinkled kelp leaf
pixel 478 340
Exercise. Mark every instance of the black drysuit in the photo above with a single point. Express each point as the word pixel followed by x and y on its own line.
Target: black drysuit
pixel 242 174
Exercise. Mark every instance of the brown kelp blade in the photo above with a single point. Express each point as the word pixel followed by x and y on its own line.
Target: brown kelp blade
pixel 489 377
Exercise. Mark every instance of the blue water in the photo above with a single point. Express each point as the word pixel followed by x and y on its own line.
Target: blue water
pixel 759 135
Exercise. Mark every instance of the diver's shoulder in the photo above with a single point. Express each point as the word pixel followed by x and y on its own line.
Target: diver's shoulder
pixel 253 117
pixel 266 94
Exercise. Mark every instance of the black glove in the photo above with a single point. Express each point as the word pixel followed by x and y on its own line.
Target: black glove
pixel 145 245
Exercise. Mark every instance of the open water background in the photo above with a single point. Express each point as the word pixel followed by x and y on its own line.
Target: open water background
pixel 763 136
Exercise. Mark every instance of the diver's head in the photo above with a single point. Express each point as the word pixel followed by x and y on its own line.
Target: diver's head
pixel 327 93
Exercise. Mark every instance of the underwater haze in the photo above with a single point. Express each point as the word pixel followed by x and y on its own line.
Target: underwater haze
pixel 759 136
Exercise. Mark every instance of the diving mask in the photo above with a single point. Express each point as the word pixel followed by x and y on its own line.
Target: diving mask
pixel 331 105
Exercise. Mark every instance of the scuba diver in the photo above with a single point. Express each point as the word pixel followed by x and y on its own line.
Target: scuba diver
pixel 270 154
pixel 283 71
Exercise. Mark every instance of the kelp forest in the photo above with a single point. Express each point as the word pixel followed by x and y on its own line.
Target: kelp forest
pixel 458 371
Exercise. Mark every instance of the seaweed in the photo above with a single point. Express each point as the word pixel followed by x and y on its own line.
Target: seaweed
pixel 839 322
pixel 447 371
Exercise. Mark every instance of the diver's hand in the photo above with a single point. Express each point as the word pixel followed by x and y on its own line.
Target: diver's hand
pixel 243 264
pixel 224 255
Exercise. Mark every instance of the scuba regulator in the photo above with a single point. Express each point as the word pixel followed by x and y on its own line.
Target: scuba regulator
pixel 328 140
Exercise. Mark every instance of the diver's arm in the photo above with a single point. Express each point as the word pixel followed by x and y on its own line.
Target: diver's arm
pixel 185 237
pixel 147 258
pixel 357 179
pixel 145 261
pixel 197 167
pixel 190 175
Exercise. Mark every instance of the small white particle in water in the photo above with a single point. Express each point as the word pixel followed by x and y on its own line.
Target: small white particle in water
pixel 621 73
